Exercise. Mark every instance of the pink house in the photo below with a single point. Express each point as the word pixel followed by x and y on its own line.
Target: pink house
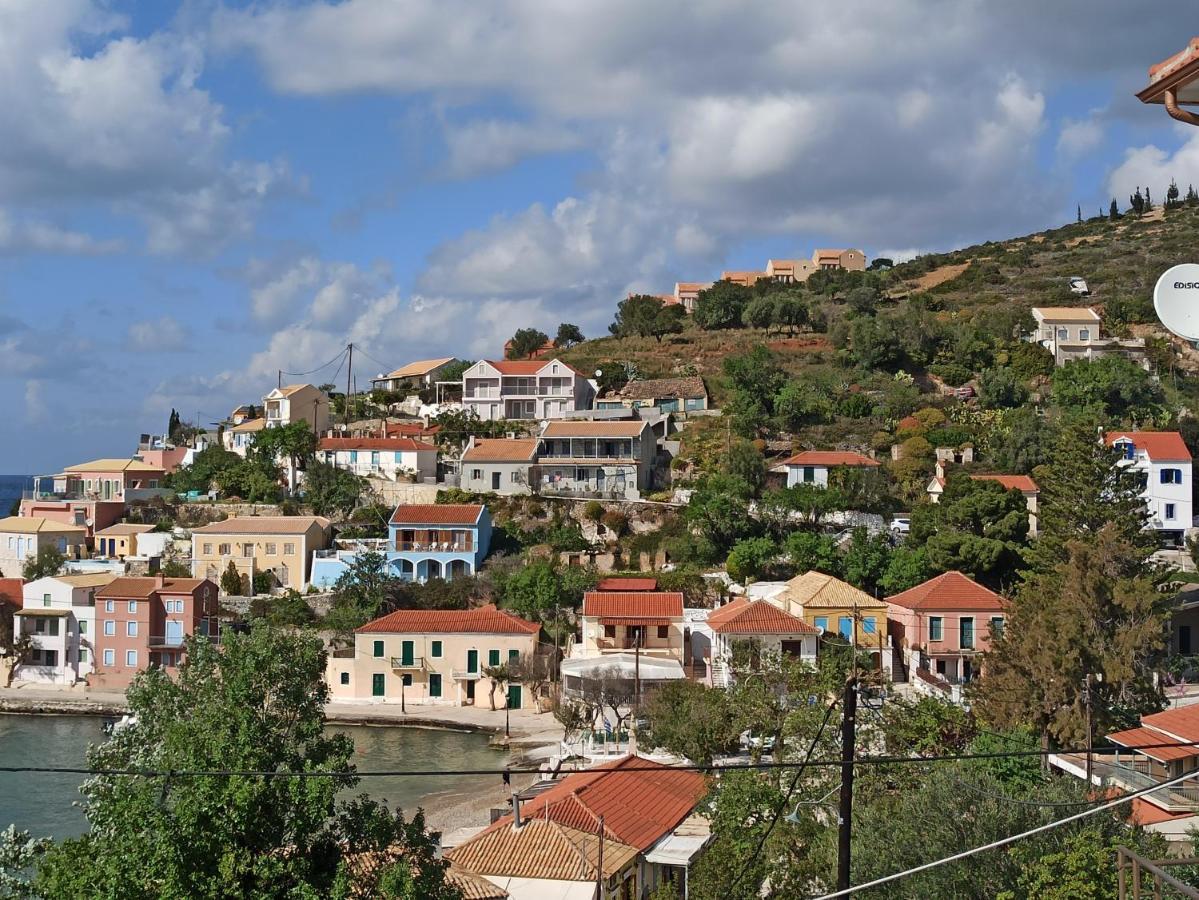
pixel 945 625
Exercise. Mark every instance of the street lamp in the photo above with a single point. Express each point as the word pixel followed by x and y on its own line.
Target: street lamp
pixel 1174 82
pixel 403 699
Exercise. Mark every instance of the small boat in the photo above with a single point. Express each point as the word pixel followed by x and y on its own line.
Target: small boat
pixel 116 726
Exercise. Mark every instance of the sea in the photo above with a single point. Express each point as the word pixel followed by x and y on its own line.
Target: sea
pixel 10 491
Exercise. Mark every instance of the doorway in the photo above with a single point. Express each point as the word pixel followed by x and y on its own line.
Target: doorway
pixel 495 481
pixel 1184 639
pixel 470 692
pixel 377 686
pixel 514 696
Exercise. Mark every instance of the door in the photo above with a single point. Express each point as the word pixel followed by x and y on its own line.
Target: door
pixel 470 692
pixel 1184 639
pixel 514 696
pixel 406 653
pixel 495 481
pixel 599 479
pixel 377 684
pixel 174 633
pixel 793 648
pixel 472 661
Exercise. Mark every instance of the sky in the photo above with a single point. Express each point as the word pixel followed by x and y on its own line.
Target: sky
pixel 196 195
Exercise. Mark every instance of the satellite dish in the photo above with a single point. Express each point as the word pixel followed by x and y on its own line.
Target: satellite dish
pixel 599 373
pixel 1176 299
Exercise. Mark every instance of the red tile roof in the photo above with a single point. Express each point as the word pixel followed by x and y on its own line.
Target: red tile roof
pixel 745 616
pixel 950 591
pixel 526 366
pixel 437 514
pixel 627 584
pixel 483 620
pixel 10 591
pixel 1162 446
pixel 408 429
pixel 1023 483
pixel 1182 723
pixel 829 458
pixel 501 450
pixel 639 807
pixel 402 444
pixel 1145 813
pixel 142 587
pixel 634 604
pixel 1146 738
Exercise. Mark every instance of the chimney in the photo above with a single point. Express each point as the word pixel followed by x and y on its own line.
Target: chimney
pixel 940 469
pixel 160 580
pixel 516 821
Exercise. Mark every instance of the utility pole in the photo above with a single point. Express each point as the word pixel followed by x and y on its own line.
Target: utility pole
pixel 1090 726
pixel 849 712
pixel 279 379
pixel 599 864
pixel 349 372
pixel 637 675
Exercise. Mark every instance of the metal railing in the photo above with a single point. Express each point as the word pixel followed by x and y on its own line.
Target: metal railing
pixel 435 546
pixel 413 662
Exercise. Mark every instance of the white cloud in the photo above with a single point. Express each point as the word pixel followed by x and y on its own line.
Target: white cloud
pixel 31 236
pixel 491 144
pixel 1078 137
pixel 35 401
pixel 1154 167
pixel 160 335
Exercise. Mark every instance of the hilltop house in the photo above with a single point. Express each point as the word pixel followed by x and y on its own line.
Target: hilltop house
pixel 944 625
pixel 59 613
pixel 499 465
pixel 1163 459
pixel 416 376
pixel 687 293
pixel 389 458
pixel 813 466
pixel 831 605
pixel 143 622
pixel 525 389
pixel 293 403
pixel 612 459
pixel 1023 483
pixel 1071 333
pixel 22 538
pixel 666 395
pixel 433 657
pixel 93 495
pixel 281 545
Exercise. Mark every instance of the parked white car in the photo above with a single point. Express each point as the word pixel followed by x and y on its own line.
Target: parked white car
pixel 901 524
pixel 1079 286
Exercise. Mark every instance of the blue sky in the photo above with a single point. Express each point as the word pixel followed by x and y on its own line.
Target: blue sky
pixel 195 195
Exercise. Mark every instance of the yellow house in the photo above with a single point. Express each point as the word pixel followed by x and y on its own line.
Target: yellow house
pixel 23 537
pixel 120 540
pixel 434 657
pixel 830 604
pixel 282 545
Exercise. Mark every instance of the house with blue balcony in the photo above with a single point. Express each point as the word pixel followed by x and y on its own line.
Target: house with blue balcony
pixel 424 541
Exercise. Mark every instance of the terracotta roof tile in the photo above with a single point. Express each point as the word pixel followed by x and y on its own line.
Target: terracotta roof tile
pixel 627 584
pixel 36 524
pixel 483 620
pixel 687 287
pixel 400 444
pixel 1148 738
pixel 121 528
pixel 10 591
pixel 1067 313
pixel 950 591
pixel 634 604
pixel 829 458
pixel 1162 446
pixel 501 450
pixel 1023 483
pixel 1182 723
pixel 745 616
pixel 262 525
pixel 140 588
pixel 541 849
pixel 689 387
pixel 437 514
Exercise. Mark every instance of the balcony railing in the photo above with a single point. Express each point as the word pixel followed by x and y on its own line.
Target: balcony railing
pixel 435 546
pixel 415 662
pixel 1135 773
pixel 465 675
pixel 583 491
pixel 175 642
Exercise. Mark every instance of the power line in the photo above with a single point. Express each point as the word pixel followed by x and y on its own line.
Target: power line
pixel 371 358
pixel 1007 840
pixel 970 786
pixel 343 352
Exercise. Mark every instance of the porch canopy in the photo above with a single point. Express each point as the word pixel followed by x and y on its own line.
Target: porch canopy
pixel 622 666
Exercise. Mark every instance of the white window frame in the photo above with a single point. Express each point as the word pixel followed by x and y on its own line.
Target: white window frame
pixel 132 607
pixel 110 628
pixel 110 657
pixel 131 658
pixel 131 629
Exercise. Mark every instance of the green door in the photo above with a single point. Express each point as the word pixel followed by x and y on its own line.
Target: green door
pixel 514 696
pixel 406 653
pixel 377 684
pixel 472 661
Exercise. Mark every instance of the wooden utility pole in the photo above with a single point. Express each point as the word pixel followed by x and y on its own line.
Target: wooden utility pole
pixel 599 864
pixel 1090 727
pixel 349 372
pixel 849 712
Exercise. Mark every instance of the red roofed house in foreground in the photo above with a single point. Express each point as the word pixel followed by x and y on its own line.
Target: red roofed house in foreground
pixel 387 457
pixel 1165 461
pixel 945 625
pixel 620 583
pixel 812 466
pixel 434 657
pixel 550 845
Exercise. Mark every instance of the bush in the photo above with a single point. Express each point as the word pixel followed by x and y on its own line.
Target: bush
pixel 952 374
pixel 593 511
pixel 615 521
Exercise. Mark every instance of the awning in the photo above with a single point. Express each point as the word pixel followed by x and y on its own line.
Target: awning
pixel 634 620
pixel 42 613
pixel 623 665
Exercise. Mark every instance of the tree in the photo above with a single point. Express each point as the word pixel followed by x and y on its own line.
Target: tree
pixel 907 568
pixel 499 677
pixel 721 305
pixel 19 857
pixel 572 716
pixel 527 343
pixel 254 704
pixel 1079 220
pixel 1113 211
pixel 1023 440
pixel 800 404
pixel 691 720
pixel 533 590
pixel 874 344
pixel 744 461
pixel 231 581
pixel 866 559
pixel 642 315
pixel 295 443
pixel 811 551
pixel 360 591
pixel 329 490
pixel 761 312
pixel 999 388
pixel 1103 390
pixel 174 424
pixel 751 558
pixel 1192 197
pixel 1137 202
pixel 1172 195
pixel 754 378
pixel 568 335
pixel 719 513
pixel 48 561
pixel 211 467
pixel 862 300
pixel 792 313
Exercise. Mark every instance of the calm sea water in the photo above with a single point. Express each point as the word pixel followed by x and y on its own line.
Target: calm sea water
pixel 10 491
pixel 42 804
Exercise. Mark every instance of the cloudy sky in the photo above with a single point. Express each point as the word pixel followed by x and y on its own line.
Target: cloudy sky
pixel 196 195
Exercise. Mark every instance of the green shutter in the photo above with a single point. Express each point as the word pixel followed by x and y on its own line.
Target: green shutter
pixel 434 685
pixel 513 655
pixel 406 653
pixel 378 650
pixel 435 649
pixel 472 661
pixel 493 657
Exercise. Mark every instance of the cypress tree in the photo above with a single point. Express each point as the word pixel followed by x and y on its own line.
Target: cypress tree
pixel 1113 212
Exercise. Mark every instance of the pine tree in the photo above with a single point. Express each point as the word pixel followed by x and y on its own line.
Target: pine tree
pixel 1192 198
pixel 1113 212
pixel 1172 195
pixel 173 424
pixel 231 581
pixel 1148 199
pixel 1137 202
pixel 1080 214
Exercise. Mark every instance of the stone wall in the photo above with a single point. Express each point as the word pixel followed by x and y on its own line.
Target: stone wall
pixel 318 603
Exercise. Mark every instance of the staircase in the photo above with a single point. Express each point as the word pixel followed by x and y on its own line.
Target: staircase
pixel 720 674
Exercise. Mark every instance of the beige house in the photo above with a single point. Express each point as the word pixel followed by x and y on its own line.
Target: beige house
pixel 620 621
pixel 120 540
pixel 240 437
pixel 282 545
pixel 414 376
pixel 297 403
pixel 833 606
pixel 842 258
pixel 1072 333
pixel 434 657
pixel 22 538
pixel 687 293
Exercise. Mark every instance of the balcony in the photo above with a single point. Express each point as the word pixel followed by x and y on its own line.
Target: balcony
pixel 1133 772
pixel 482 394
pixel 411 664
pixel 176 642
pixel 582 491
pixel 435 546
pixel 465 675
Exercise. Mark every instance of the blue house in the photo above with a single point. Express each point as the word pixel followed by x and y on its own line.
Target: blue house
pixel 424 541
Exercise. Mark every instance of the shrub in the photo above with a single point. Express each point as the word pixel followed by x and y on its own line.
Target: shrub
pixel 593 511
pixel 615 521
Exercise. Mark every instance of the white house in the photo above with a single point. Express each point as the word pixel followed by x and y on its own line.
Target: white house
pixel 1072 332
pixel 388 458
pixel 238 438
pixel 762 625
pixel 1166 463
pixel 59 612
pixel 297 403
pixel 812 466
pixel 525 389
pixel 414 376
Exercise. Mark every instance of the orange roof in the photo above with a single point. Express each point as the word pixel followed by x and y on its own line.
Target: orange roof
pixel 10 591
pixel 627 584
pixel 1146 813
pixel 692 286
pixel 952 591
pixel 1182 723
pixel 829 458
pixel 401 444
pixel 1067 313
pixel 1022 483
pixel 1143 740
pixel 639 807
pixel 542 849
pixel 501 450
pixel 142 587
pixel 483 620
pixel 745 616
pixel 563 429
pixel 407 429
pixel 526 366
pixel 438 514
pixel 1164 446
pixel 634 604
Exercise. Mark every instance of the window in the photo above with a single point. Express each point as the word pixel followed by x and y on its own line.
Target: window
pixel 82 627
pixel 1171 476
pixel 131 658
pixel 406 679
pixel 83 654
pixel 435 649
pixel 996 627
pixel 1169 510
pixel 966 632
pixel 345 677
pixel 609 631
pixel 247 549
pixel 434 685
pixel 1084 334
pixel 476 474
pixel 110 657
pixel 514 477
pixel 822 623
pixel 1127 449
pixel 130 629
pixel 845 627
pixel 1063 334
pixel 223 549
pixel 132 607
pixel 935 626
pixel 108 606
pixel 663 631
pixel 271 548
pixel 513 656
pixel 289 549
pixel 378 649
pixel 493 657
pixel 868 625
pixel 45 599
pixel 353 457
pixel 110 627
pixel 208 549
pixel 809 473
